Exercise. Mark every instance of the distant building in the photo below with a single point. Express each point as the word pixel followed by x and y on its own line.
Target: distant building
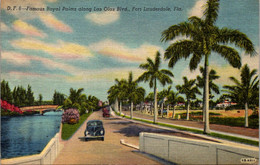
pixel 225 104
pixel 100 103
pixel 180 104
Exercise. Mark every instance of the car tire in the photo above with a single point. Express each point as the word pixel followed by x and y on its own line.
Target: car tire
pixel 102 138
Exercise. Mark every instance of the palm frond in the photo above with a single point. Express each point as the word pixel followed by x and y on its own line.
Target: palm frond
pixel 166 72
pixel 157 60
pixel 229 54
pixel 238 38
pixel 211 11
pixel 183 29
pixel 144 77
pixel 179 50
pixel 215 88
pixel 145 66
pixel 236 81
pixel 195 60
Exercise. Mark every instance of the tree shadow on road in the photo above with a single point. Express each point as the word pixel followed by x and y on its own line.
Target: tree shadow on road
pixel 134 130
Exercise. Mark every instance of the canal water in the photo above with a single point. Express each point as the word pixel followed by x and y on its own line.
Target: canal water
pixel 28 135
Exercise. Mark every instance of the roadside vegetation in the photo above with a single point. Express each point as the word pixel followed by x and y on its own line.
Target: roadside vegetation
pixel 69 129
pixel 197 39
pixel 77 106
pixel 196 131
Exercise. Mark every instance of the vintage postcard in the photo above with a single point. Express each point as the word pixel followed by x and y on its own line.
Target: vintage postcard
pixel 129 82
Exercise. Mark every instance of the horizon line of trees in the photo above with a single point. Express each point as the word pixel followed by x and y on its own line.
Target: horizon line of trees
pixel 22 97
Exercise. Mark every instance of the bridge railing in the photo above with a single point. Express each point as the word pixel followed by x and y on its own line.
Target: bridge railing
pixel 39 107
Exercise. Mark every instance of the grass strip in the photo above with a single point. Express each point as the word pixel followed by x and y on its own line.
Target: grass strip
pixel 69 129
pixel 217 135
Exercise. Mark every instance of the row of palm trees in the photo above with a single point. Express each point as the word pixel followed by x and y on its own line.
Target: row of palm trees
pixel 243 91
pixel 198 38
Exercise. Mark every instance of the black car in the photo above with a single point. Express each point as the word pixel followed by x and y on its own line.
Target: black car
pixel 95 130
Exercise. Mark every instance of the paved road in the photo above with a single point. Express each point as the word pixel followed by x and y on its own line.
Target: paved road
pixel 239 131
pixel 109 151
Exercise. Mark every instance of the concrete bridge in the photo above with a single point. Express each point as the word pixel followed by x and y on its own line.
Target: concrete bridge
pixel 41 109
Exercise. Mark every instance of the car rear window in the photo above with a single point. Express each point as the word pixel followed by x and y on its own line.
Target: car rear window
pixel 94 123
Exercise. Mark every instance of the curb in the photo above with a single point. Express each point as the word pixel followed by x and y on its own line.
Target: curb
pixel 186 132
pixel 176 130
pixel 122 141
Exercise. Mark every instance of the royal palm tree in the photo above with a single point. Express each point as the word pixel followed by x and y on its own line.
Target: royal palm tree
pixel 134 92
pixel 173 98
pixel 212 86
pixel 153 74
pixel 244 90
pixel 189 89
pixel 149 98
pixel 118 92
pixel 203 38
pixel 163 96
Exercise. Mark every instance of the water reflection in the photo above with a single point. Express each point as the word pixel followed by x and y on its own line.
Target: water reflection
pixel 27 135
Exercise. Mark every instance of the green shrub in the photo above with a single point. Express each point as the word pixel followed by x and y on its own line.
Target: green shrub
pixel 70 116
pixel 196 115
pixel 68 129
pixel 237 122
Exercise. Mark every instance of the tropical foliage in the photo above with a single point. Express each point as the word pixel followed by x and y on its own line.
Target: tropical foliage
pixel 203 39
pixel 20 96
pixel 70 116
pixel 135 93
pixel 212 86
pixel 172 99
pixel 80 101
pixel 152 74
pixel 189 89
pixel 6 93
pixel 9 109
pixel 40 99
pixel 246 90
pixel 58 98
pixel 127 90
pixel 162 97
pixel 118 92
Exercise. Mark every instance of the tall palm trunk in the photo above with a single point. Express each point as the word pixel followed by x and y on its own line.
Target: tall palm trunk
pixel 155 102
pixel 168 108
pixel 162 110
pixel 120 107
pixel 206 98
pixel 132 109
pixel 203 110
pixel 116 105
pixel 173 112
pixel 188 110
pixel 246 114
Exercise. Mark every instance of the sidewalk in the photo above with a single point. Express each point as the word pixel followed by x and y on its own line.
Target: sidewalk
pixel 241 132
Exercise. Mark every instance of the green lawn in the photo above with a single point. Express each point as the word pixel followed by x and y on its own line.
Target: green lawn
pixel 69 129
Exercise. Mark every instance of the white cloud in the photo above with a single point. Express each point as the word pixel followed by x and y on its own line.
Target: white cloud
pixel 253 62
pixel 121 51
pixel 102 74
pixel 4 27
pixel 19 59
pixel 64 50
pixel 103 18
pixel 197 9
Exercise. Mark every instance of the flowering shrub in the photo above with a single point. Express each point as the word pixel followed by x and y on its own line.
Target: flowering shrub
pixel 7 107
pixel 70 116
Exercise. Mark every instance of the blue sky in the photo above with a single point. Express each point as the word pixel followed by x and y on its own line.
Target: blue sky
pixel 81 49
